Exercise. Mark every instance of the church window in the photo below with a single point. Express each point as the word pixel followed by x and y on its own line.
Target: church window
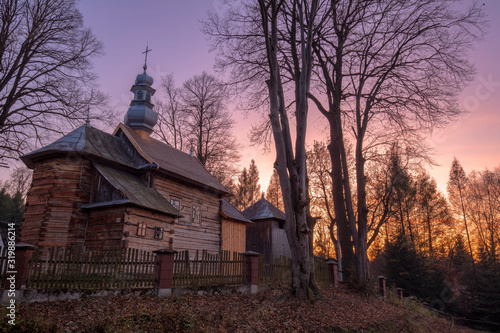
pixel 158 233
pixel 141 229
pixel 148 97
pixel 176 203
pixel 196 214
pixel 140 95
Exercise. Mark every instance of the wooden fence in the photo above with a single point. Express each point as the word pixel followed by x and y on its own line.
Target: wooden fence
pixel 322 272
pixel 75 268
pixel 279 272
pixel 206 269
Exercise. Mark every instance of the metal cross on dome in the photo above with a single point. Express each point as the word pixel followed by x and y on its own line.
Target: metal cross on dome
pixel 146 57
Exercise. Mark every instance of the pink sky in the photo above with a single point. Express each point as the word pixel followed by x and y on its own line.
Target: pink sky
pixel 172 30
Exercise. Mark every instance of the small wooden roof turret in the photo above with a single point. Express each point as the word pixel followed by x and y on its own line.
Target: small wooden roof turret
pixel 140 115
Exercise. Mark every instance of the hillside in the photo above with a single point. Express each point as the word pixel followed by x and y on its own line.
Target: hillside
pixel 341 310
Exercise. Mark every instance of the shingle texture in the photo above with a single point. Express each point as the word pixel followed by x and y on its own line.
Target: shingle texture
pixel 90 141
pixel 229 211
pixel 86 140
pixel 109 151
pixel 173 160
pixel 262 210
pixel 135 191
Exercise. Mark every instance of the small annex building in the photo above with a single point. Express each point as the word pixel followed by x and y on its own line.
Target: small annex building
pixel 234 226
pixel 267 234
pixel 126 189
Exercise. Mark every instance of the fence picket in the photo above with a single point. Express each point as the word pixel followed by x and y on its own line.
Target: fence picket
pixel 79 268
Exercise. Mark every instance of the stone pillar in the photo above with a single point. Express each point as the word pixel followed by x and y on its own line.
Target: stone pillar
pixel 400 293
pixel 164 272
pixel 17 271
pixel 252 270
pixel 381 285
pixel 333 267
pixel 21 266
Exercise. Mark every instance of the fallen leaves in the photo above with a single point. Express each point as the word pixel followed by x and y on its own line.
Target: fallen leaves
pixel 340 310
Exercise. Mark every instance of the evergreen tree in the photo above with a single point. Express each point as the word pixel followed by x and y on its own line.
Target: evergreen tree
pixel 11 207
pixel 248 188
pixel 240 199
pixel 273 193
pixel 407 268
pixel 488 294
pixel 456 195
pixel 254 192
pixel 459 256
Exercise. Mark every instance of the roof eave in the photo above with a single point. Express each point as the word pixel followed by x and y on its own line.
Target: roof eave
pixel 126 202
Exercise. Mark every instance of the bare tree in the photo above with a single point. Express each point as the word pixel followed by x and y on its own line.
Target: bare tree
pixel 433 207
pixel 392 67
pixel 209 123
pixel 319 170
pixel 483 209
pixel 45 73
pixel 19 181
pixel 194 116
pixel 457 190
pixel 171 125
pixel 249 40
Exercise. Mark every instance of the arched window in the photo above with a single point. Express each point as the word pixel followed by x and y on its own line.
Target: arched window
pixel 148 97
pixel 139 95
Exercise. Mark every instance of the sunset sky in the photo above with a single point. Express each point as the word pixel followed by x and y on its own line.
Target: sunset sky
pixel 172 30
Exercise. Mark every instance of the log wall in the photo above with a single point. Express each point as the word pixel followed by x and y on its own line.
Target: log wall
pixel 53 216
pixel 134 216
pixel 105 228
pixel 191 235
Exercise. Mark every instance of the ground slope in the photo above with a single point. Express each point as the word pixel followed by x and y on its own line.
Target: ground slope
pixel 340 310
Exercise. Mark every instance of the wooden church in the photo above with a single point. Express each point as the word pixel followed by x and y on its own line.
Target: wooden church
pixel 127 189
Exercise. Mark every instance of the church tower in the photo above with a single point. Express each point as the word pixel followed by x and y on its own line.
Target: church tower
pixel 140 115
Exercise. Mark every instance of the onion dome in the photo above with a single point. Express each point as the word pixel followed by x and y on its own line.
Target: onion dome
pixel 140 114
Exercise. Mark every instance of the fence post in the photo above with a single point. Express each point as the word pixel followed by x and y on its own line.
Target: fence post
pixel 17 271
pixel 381 285
pixel 333 267
pixel 400 293
pixel 252 270
pixel 164 272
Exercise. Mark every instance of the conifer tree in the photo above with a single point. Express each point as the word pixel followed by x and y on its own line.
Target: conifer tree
pixel 273 193
pixel 488 294
pixel 240 199
pixel 407 268
pixel 456 195
pixel 248 188
pixel 11 207
pixel 253 191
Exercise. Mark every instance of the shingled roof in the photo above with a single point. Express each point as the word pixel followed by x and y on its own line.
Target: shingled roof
pixel 230 212
pixel 262 210
pixel 104 148
pixel 135 192
pixel 172 160
pixel 86 140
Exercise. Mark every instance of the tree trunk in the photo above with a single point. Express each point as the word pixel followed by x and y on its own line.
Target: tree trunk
pixel 291 167
pixel 429 233
pixel 344 232
pixel 361 254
